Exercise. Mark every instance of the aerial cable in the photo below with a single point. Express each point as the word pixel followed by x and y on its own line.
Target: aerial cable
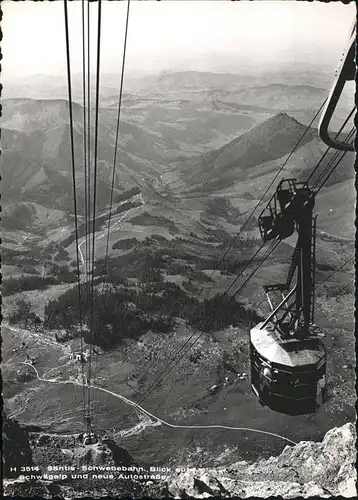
pixel 88 256
pixel 336 154
pixel 260 302
pixel 254 210
pixel 105 273
pixel 117 138
pixel 336 271
pixel 270 250
pixel 324 301
pixel 94 198
pixel 175 360
pixel 273 246
pixel 330 167
pixel 262 197
pixel 227 290
pixel 342 154
pixel 85 147
pixel 85 189
pixel 244 284
pixel 329 147
pixel 101 315
pixel 69 85
pixel 276 242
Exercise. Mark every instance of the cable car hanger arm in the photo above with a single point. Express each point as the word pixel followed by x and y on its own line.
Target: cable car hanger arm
pixel 345 72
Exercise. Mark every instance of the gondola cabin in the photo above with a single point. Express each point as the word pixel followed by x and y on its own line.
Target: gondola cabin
pixel 287 374
pixel 288 359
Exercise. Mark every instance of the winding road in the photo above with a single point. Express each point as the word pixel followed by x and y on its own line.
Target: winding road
pixel 149 419
pixel 156 420
pixel 104 232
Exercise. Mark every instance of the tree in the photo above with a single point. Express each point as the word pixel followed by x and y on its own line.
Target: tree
pixel 22 313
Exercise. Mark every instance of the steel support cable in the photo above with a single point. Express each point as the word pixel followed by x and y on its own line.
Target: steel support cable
pixel 85 132
pixel 336 271
pixel 274 244
pixel 226 291
pixel 257 205
pixel 260 302
pixel 88 250
pixel 69 85
pixel 159 420
pixel 273 247
pixel 117 138
pixel 86 184
pixel 246 281
pixel 278 173
pixel 260 201
pixel 321 184
pixel 165 372
pixel 105 273
pixel 102 321
pixel 160 378
pixel 89 142
pixel 262 197
pixel 329 147
pixel 337 155
pixel 343 289
pixel 342 154
pixel 95 161
pixel 351 282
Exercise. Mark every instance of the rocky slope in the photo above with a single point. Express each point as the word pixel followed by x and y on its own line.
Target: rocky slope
pixel 15 442
pixel 307 469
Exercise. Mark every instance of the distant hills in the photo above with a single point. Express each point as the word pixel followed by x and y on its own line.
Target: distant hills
pixel 205 133
pixel 232 162
pixel 242 169
pixel 37 153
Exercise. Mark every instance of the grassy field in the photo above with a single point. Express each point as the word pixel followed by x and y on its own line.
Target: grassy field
pixel 183 397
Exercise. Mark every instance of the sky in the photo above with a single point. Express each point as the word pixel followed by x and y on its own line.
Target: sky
pixel 216 35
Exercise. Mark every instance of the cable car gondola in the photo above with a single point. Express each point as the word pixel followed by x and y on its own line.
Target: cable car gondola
pixel 288 359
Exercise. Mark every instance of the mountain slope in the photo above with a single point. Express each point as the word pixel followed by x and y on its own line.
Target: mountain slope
pixel 264 143
pixel 36 160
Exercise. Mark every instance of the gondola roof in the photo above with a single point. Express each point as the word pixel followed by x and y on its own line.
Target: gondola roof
pixel 291 352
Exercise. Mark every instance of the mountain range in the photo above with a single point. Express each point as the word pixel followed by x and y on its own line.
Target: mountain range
pixel 184 135
pixel 200 151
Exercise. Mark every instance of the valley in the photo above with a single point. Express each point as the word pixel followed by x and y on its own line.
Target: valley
pixel 191 168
